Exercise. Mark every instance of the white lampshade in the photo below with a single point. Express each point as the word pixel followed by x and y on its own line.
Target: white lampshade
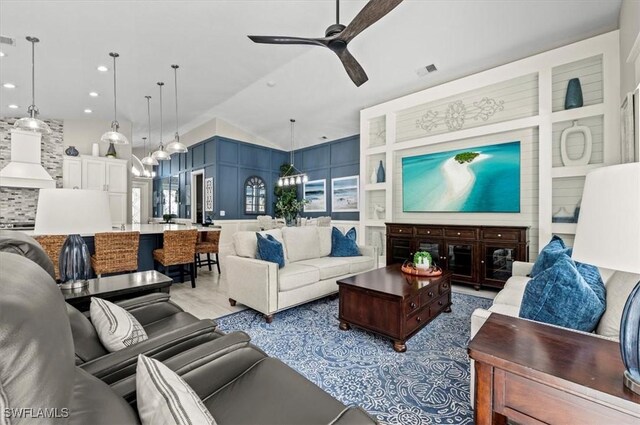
pixel 608 232
pixel 72 211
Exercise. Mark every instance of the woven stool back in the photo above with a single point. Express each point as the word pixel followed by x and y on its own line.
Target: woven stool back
pixel 211 240
pixel 115 252
pixel 52 245
pixel 179 246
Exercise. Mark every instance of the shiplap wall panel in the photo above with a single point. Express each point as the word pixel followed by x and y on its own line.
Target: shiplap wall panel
pixel 575 141
pixel 377 133
pixel 519 97
pixel 567 193
pixel 589 71
pixel 373 164
pixel 528 215
pixel 376 197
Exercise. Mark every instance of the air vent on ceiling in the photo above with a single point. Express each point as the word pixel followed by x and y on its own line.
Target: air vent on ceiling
pixel 424 70
pixel 7 40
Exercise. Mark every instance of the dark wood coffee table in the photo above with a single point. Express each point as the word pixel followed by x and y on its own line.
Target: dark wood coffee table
pixel 391 303
pixel 118 287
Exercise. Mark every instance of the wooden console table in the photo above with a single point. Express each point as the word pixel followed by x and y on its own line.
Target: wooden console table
pixel 534 374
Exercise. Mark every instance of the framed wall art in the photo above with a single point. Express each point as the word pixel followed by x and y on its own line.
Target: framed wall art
pixel 316 193
pixel 345 194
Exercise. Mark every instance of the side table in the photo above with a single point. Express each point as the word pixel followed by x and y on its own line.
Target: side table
pixel 118 287
pixel 534 373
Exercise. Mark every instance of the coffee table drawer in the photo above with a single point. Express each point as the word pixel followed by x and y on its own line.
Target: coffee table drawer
pixel 429 294
pixel 417 320
pixel 460 233
pixel 411 305
pixel 445 287
pixel 440 304
pixel 401 230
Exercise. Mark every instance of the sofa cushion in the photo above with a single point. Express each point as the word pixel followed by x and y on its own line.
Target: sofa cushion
pixel 510 295
pixel 619 287
pixel 560 296
pixel 506 309
pixel 296 275
pixel 302 242
pixel 116 327
pixel 344 245
pixel 517 282
pixel 245 243
pixel 549 255
pixel 269 249
pixel 164 398
pixel 360 264
pixel 324 235
pixel 328 266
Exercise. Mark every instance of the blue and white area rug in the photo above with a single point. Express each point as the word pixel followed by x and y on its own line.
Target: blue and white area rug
pixel 429 384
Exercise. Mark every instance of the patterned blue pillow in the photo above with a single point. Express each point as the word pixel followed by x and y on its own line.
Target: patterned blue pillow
pixel 344 245
pixel 549 255
pixel 560 296
pixel 269 249
pixel 591 275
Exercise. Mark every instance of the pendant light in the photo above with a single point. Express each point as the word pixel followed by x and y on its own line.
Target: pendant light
pixel 292 176
pixel 32 123
pixel 148 160
pixel 113 137
pixel 175 146
pixel 161 154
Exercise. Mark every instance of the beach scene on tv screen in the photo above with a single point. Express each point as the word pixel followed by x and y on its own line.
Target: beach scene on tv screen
pixel 480 179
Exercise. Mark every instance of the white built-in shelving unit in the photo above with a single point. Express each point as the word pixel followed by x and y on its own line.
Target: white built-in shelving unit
pixel 532 93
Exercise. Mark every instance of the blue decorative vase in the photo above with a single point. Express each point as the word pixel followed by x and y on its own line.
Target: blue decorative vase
pixel 630 340
pixel 381 176
pixel 71 151
pixel 74 263
pixel 573 98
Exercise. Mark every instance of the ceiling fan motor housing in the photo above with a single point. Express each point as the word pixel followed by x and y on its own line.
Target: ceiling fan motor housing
pixel 336 44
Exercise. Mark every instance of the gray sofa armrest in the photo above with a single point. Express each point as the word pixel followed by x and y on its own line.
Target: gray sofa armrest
pixel 521 268
pixel 353 415
pixel 120 364
pixel 150 308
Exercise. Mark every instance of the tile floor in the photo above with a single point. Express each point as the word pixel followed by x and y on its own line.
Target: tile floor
pixel 209 299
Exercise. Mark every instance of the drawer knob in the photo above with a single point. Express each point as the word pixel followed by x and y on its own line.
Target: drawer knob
pixel 418 319
pixel 445 286
pixel 428 232
pixel 458 233
pixel 482 261
pixel 499 235
pixel 440 303
pixel 412 305
pixel 430 294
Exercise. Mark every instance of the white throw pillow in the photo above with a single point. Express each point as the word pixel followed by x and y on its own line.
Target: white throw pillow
pixel 246 243
pixel 116 327
pixel 164 398
pixel 619 287
pixel 303 243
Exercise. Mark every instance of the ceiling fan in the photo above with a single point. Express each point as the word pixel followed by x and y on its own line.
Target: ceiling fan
pixel 337 36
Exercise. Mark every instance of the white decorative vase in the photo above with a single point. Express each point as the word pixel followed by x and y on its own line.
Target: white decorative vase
pixel 587 147
pixel 374 177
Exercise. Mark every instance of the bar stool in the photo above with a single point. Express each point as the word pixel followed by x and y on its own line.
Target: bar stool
pixel 116 252
pixel 52 245
pixel 178 248
pixel 208 244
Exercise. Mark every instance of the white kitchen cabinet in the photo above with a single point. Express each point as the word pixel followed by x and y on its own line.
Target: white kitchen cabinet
pixel 118 207
pixel 72 172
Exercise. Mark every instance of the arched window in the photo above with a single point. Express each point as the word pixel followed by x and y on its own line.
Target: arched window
pixel 255 196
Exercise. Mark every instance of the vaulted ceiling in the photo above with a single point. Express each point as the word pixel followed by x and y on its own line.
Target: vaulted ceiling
pixel 259 87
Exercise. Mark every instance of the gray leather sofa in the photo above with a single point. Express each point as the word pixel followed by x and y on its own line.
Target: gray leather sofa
pixel 237 382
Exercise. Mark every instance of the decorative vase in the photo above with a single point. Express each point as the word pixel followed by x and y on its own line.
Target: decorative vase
pixel 74 264
pixel 573 98
pixel 95 149
pixel 374 177
pixel 380 175
pixel 111 153
pixel 630 340
pixel 71 151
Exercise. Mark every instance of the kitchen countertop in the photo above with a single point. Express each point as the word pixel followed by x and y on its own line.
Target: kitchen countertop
pixel 147 229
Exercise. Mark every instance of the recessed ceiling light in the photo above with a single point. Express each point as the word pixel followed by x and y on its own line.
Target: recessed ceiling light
pixel 2 54
pixel 103 68
pixel 88 111
pixel 93 94
pixel 422 71
pixel 9 86
pixel 13 106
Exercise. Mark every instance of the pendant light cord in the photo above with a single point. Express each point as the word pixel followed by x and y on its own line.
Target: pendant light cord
pixel 148 119
pixel 160 84
pixel 337 11
pixel 115 123
pixel 292 150
pixel 33 72
pixel 175 75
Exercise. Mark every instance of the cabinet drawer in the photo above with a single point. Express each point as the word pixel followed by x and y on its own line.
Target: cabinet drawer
pixel 411 305
pixel 401 230
pixel 415 321
pixel 445 287
pixel 460 233
pixel 429 294
pixel 440 304
pixel 501 234
pixel 429 231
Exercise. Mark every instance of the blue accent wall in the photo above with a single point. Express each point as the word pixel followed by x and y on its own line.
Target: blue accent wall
pixel 230 162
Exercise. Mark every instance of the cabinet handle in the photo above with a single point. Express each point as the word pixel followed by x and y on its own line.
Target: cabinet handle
pixel 499 235
pixel 458 233
pixel 399 230
pixel 430 294
pixel 481 261
pixel 428 232
pixel 418 319
pixel 440 303
pixel 412 305
pixel 445 286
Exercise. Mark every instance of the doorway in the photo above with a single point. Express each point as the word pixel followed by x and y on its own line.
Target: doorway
pixel 140 205
pixel 197 196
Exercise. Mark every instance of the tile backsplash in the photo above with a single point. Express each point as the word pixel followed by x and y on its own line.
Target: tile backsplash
pixel 19 204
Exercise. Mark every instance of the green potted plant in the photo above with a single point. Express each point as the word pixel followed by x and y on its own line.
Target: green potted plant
pixel 168 217
pixel 287 203
pixel 422 260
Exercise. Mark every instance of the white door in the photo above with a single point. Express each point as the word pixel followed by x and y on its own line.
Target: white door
pixel 140 202
pixel 72 173
pixel 118 206
pixel 93 174
pixel 116 179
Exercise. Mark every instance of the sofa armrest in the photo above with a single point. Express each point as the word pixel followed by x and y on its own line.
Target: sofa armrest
pixel 353 415
pixel 119 364
pixel 253 283
pixel 186 361
pixel 150 308
pixel 521 268
pixel 478 317
pixel 144 300
pixel 369 251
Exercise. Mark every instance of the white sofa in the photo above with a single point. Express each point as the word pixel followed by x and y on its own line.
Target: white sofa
pixel 309 272
pixel 508 300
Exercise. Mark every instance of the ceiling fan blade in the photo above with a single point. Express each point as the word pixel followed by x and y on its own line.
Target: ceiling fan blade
pixel 266 39
pixel 355 71
pixel 370 14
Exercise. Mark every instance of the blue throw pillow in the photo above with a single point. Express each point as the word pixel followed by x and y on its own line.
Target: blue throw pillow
pixel 344 245
pixel 591 275
pixel 269 249
pixel 560 296
pixel 549 255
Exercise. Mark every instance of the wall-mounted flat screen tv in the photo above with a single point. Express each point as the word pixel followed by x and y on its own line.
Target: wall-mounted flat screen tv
pixel 480 179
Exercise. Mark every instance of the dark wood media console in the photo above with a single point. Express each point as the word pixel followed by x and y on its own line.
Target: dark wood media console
pixel 476 255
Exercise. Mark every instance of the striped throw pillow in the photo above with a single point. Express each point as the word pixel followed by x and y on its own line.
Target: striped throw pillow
pixel 165 399
pixel 116 327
